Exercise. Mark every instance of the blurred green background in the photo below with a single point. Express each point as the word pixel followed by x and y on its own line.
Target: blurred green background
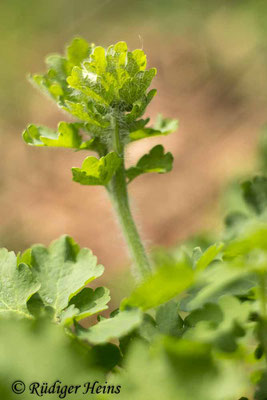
pixel 211 58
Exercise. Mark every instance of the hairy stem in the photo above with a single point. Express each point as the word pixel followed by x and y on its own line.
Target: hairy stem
pixel 117 189
pixel 119 197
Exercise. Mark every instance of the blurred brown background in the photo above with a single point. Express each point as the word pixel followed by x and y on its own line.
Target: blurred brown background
pixel 211 59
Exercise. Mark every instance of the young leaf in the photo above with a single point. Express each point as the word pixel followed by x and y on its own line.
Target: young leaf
pixel 97 171
pixel 162 126
pixel 63 270
pixel 208 256
pixel 112 328
pixel 97 85
pixel 154 161
pixel 86 303
pixel 17 285
pixel 78 50
pixel 167 282
pixel 133 88
pixel 67 136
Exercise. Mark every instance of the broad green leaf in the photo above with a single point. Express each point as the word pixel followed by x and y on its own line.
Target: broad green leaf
pixel 209 312
pixel 220 324
pixel 23 344
pixel 178 369
pixel 208 256
pixel 255 193
pixel 162 126
pixel 168 320
pixel 112 328
pixel 63 270
pixel 17 285
pixel 220 279
pixel 86 303
pixel 167 282
pixel 97 171
pixel 154 161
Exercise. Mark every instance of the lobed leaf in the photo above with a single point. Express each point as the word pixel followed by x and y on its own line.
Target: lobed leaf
pixel 67 136
pixel 217 281
pixel 62 270
pixel 17 285
pixel 97 171
pixel 112 328
pixel 154 161
pixel 86 303
pixel 162 126
pixel 220 324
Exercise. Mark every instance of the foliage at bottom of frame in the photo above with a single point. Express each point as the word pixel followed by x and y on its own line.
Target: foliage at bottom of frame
pixel 196 329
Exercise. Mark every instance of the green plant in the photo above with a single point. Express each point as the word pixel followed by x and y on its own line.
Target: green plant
pixel 195 327
pixel 108 92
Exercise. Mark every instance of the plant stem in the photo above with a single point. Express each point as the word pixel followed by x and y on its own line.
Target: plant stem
pixel 118 191
pixel 119 197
